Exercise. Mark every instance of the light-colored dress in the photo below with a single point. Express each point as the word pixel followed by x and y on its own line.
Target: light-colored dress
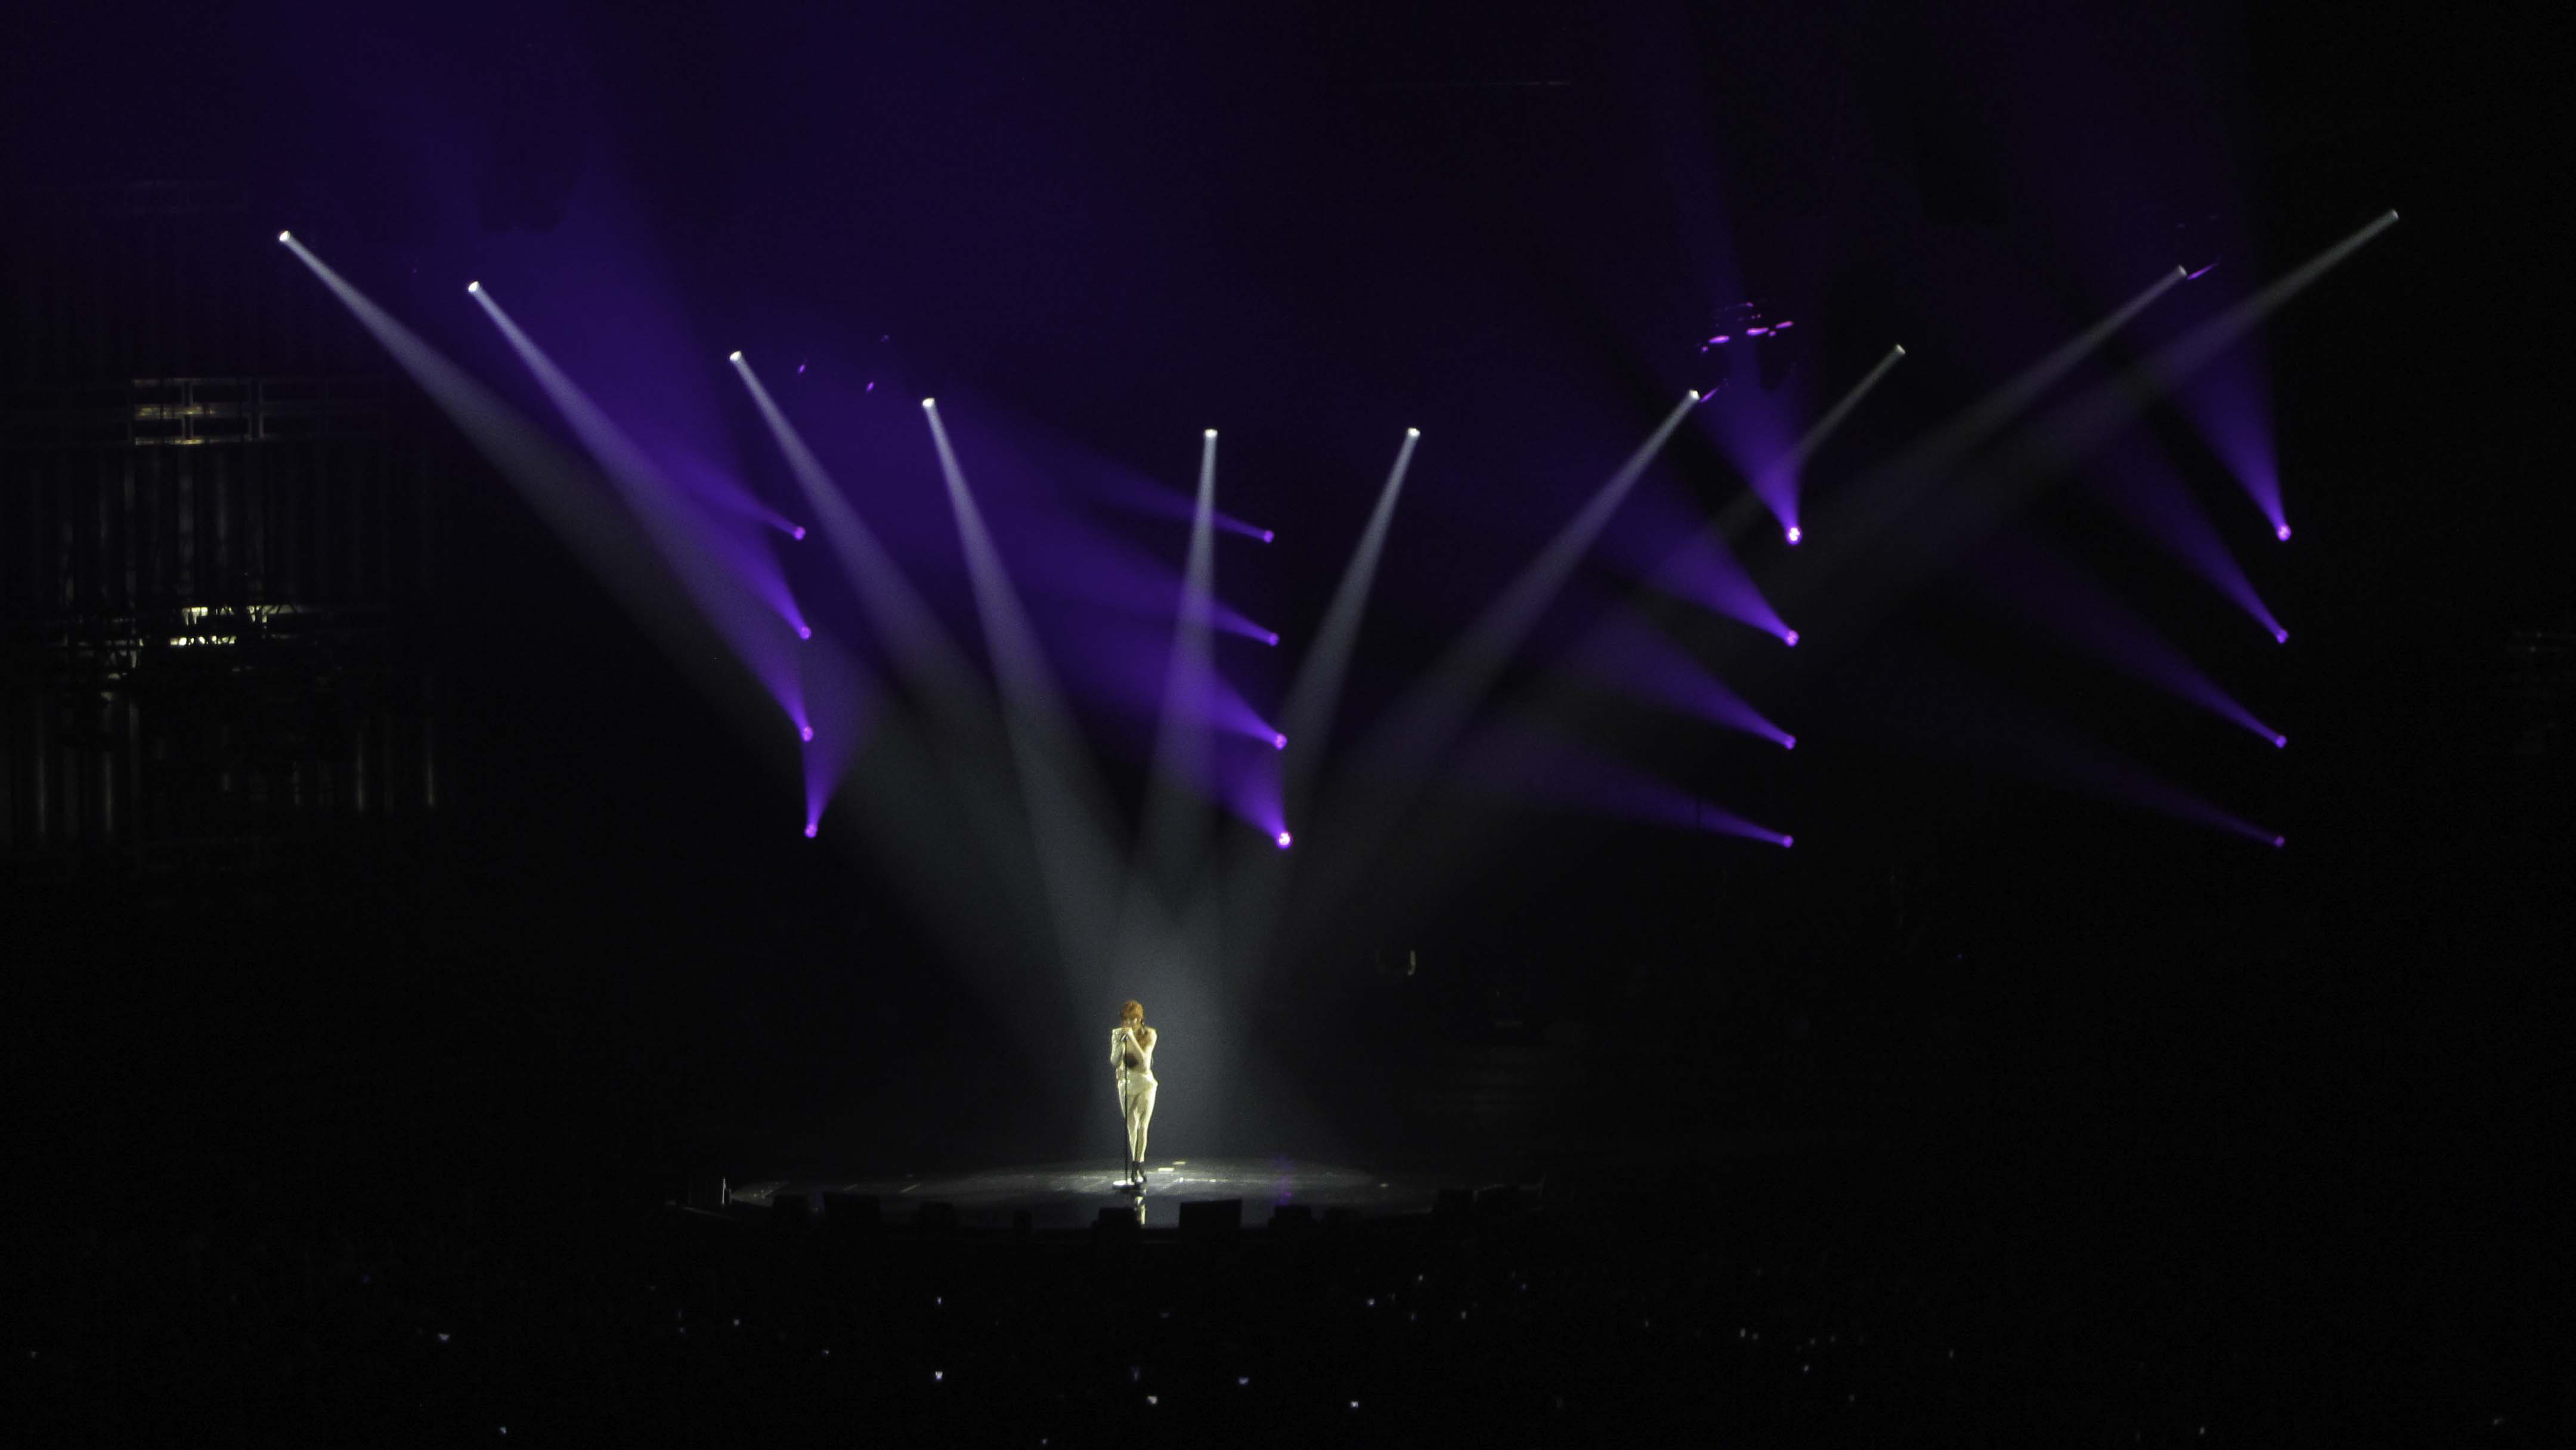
pixel 1131 1055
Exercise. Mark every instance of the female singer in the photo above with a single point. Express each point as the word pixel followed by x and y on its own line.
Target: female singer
pixel 1131 1054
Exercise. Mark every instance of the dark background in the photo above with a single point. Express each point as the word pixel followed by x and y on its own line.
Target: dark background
pixel 611 957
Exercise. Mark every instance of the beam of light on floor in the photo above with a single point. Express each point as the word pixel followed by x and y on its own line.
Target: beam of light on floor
pixel 719 590
pixel 1077 859
pixel 1390 763
pixel 564 492
pixel 1783 483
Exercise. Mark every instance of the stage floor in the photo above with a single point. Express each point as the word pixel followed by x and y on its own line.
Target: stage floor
pixel 1071 1195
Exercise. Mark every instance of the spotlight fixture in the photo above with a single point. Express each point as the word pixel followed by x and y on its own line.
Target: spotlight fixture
pixel 1787 841
pixel 805 732
pixel 797 532
pixel 1790 639
pixel 809 835
pixel 1795 534
pixel 734 356
pixel 1278 742
pixel 1900 349
pixel 285 237
pixel 2279 841
pixel 2281 532
pixel 1270 639
pixel 1412 432
pixel 2281 636
pixel 929 402
pixel 2279 741
pixel 1211 432
pixel 1693 395
pixel 1788 742
pixel 1267 536
pixel 1282 840
pixel 804 632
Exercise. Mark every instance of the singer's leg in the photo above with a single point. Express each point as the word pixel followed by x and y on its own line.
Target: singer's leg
pixel 1144 1119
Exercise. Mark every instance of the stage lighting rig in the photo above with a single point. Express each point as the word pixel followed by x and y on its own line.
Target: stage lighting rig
pixel 1748 341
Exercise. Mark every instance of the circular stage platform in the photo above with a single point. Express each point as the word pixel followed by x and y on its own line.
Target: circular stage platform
pixel 1071 1195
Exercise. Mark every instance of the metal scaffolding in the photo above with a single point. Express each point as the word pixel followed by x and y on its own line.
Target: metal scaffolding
pixel 214 584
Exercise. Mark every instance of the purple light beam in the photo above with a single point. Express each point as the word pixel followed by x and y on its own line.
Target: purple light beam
pixel 2053 594
pixel 2082 424
pixel 1629 654
pixel 1224 617
pixel 1700 569
pixel 614 544
pixel 923 646
pixel 1780 485
pixel 1521 759
pixel 2135 483
pixel 716 584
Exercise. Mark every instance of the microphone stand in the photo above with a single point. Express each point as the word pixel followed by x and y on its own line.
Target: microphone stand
pixel 1134 1167
pixel 1135 1180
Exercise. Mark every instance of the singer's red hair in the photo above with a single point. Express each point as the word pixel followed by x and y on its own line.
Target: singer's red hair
pixel 1131 1011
